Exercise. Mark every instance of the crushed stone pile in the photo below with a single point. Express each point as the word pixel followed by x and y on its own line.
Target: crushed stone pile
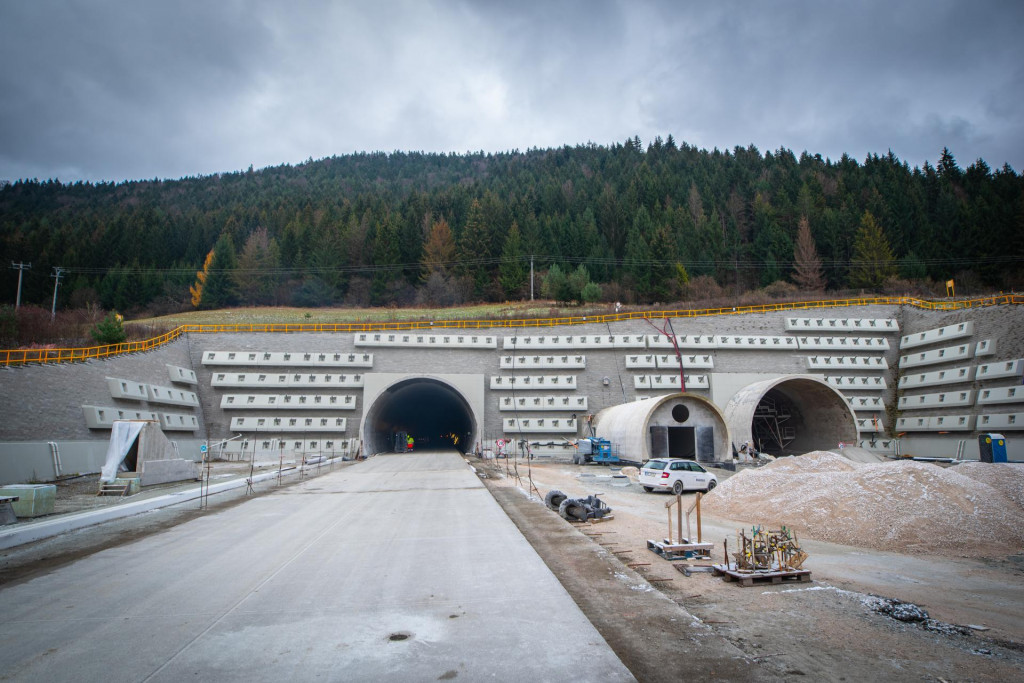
pixel 969 509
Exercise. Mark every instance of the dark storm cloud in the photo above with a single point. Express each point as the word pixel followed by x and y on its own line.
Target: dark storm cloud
pixel 116 89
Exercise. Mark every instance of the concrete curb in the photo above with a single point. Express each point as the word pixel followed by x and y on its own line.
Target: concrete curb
pixel 36 531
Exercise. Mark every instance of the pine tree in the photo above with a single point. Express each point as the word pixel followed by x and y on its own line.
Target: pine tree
pixel 512 273
pixel 807 273
pixel 473 248
pixel 873 260
pixel 257 276
pixel 220 289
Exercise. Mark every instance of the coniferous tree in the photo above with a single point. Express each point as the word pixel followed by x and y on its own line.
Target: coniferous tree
pixel 438 251
pixel 807 272
pixel 873 261
pixel 512 272
pixel 220 290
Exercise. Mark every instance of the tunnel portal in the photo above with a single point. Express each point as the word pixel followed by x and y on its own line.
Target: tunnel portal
pixel 790 415
pixel 435 414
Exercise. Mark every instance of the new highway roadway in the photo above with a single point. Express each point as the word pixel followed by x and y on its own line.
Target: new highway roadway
pixel 402 567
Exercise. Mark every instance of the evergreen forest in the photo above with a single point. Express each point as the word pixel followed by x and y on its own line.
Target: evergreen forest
pixel 625 222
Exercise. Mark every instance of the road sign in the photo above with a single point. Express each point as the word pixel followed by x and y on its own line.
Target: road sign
pixel 202 449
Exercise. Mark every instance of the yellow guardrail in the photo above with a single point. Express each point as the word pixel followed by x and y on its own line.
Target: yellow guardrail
pixel 22 356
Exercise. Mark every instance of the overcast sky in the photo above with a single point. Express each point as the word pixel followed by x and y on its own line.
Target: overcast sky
pixel 128 89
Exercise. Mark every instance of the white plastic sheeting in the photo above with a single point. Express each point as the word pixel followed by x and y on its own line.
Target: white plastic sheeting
pixel 122 436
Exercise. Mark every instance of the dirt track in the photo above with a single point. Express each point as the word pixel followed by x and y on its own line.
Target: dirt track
pixel 824 630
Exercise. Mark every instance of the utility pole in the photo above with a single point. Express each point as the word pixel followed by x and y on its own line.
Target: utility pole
pixel 21 268
pixel 57 273
pixel 531 277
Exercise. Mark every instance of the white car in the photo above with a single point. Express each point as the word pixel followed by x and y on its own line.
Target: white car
pixel 666 474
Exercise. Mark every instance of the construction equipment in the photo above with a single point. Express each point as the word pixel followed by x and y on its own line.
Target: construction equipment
pixel 594 449
pixel 765 556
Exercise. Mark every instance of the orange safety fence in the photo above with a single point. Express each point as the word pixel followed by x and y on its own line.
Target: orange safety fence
pixel 44 355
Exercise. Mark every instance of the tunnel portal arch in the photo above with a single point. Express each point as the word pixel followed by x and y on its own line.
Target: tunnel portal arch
pixel 791 415
pixel 436 412
pixel 680 425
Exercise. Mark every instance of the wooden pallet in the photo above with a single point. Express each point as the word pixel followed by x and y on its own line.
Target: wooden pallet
pixel 749 578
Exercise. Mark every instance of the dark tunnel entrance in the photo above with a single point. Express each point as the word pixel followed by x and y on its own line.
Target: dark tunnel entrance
pixel 433 413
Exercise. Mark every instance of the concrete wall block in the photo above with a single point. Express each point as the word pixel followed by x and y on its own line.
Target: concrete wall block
pixel 647 361
pixel 937 377
pixel 568 342
pixel 164 471
pixel 839 363
pixel 177 422
pixel 870 424
pixel 446 340
pixel 685 341
pixel 272 423
pixel 937 400
pixel 856 383
pixel 1001 422
pixel 986 347
pixel 669 382
pixel 694 361
pixel 102 417
pixel 267 447
pixel 127 389
pixel 939 334
pixel 949 354
pixel 288 402
pixel 849 344
pixel 884 325
pixel 287 359
pixel 535 403
pixel 181 375
pixel 545 424
pixel 171 396
pixel 865 403
pixel 936 423
pixel 524 382
pixel 562 362
pixel 1001 395
pixel 760 342
pixel 1001 369
pixel 279 380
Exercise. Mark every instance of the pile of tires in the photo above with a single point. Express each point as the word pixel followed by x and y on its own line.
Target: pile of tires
pixel 576 509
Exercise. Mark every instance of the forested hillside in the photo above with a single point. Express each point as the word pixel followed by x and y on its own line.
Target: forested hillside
pixel 639 224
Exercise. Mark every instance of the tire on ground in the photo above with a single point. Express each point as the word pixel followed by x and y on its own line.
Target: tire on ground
pixel 572 510
pixel 554 499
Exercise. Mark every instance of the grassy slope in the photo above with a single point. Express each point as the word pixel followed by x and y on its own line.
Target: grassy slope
pixel 526 309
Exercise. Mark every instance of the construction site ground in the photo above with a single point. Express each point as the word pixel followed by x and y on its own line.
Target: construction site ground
pixel 663 624
pixel 824 630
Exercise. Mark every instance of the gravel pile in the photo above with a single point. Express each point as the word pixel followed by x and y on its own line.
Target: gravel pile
pixel 969 509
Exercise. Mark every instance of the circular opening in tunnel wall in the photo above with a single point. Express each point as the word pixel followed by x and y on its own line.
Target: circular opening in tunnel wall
pixel 680 413
pixel 433 413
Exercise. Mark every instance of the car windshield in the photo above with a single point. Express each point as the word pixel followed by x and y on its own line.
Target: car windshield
pixel 655 465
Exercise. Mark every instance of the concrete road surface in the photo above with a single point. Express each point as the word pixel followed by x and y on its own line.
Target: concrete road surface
pixel 398 568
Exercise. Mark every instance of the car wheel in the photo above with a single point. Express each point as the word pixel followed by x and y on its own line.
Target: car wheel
pixel 554 499
pixel 711 484
pixel 648 488
pixel 572 510
pixel 677 487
